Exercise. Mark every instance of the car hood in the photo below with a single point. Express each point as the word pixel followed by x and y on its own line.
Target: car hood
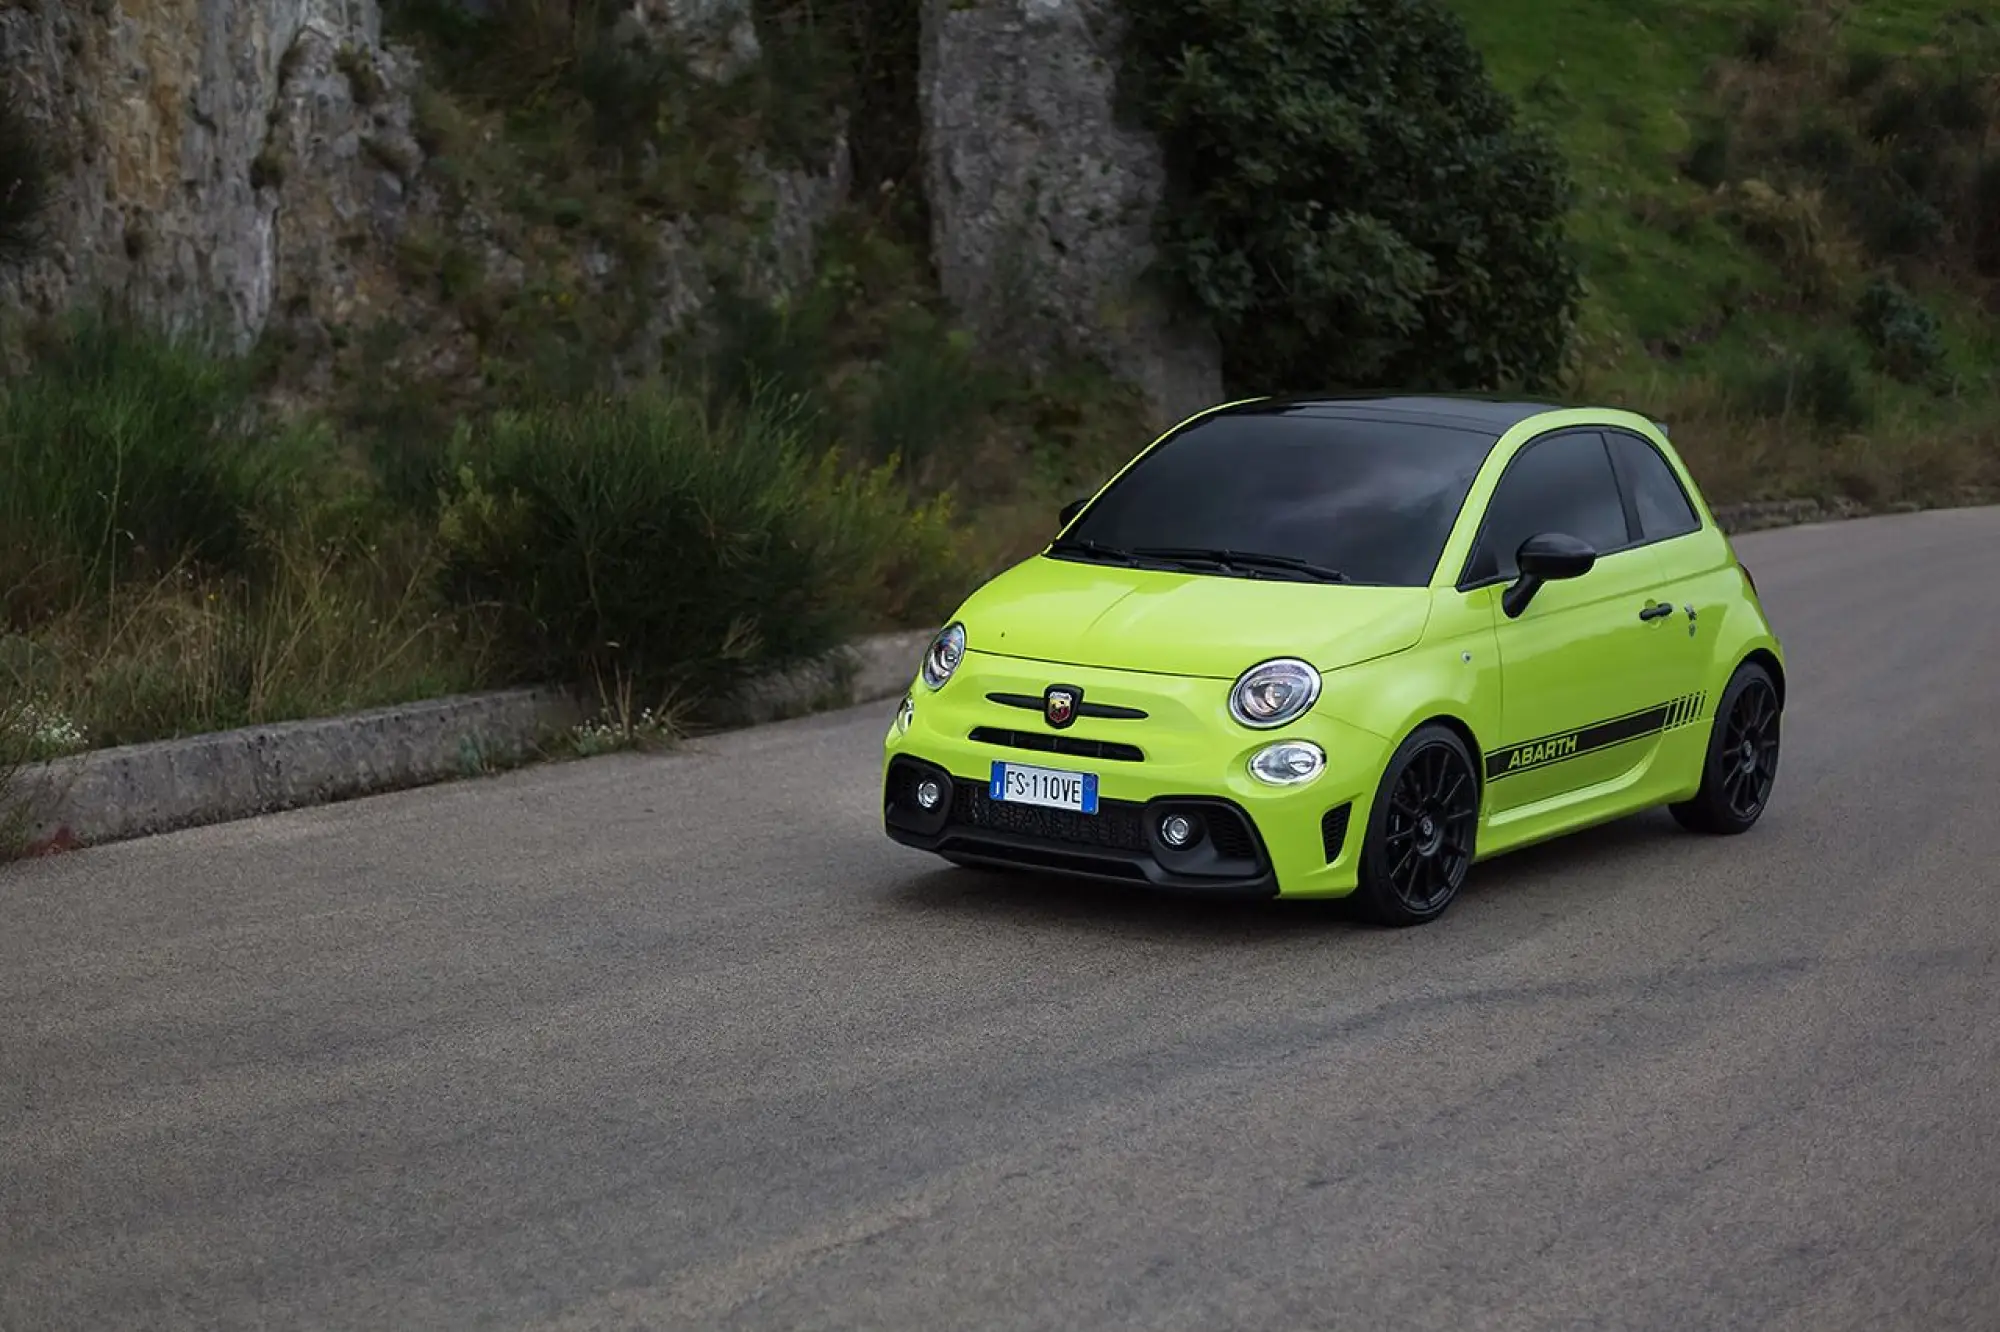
pixel 1176 623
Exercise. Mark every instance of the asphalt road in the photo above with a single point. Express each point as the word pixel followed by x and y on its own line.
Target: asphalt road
pixel 683 1041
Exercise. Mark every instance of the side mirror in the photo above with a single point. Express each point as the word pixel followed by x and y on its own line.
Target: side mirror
pixel 1545 557
pixel 1071 510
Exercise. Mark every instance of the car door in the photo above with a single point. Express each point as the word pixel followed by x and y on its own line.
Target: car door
pixel 1584 677
pixel 1696 573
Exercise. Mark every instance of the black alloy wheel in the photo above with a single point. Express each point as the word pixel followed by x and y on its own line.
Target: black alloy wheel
pixel 1741 764
pixel 1421 831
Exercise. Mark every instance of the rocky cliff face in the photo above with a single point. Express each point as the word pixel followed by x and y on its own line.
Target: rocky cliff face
pixel 1043 203
pixel 251 166
pixel 220 157
pixel 254 166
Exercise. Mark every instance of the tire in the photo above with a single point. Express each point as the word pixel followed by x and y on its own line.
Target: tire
pixel 1423 828
pixel 1740 764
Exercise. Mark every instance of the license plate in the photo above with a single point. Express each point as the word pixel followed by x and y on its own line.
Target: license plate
pixel 1016 784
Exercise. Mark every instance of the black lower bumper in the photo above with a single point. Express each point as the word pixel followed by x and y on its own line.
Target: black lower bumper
pixel 1120 843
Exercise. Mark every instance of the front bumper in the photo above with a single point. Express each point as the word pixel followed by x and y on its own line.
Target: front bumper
pixel 1185 755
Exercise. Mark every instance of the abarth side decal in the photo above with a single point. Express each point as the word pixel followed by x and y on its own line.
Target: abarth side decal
pixel 1540 753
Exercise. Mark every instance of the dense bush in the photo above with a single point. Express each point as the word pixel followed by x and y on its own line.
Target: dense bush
pixel 650 538
pixel 1894 143
pixel 1906 338
pixel 1822 382
pixel 1914 192
pixel 1354 202
pixel 911 391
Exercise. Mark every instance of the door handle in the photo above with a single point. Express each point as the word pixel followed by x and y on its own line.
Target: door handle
pixel 1662 610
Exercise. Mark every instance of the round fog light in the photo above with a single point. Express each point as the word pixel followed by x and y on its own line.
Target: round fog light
pixel 1176 830
pixel 928 793
pixel 1288 763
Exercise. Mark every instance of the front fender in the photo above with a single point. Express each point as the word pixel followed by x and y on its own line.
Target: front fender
pixel 1453 675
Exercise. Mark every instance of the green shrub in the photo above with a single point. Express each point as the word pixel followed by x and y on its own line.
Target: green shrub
pixel 124 454
pixel 862 56
pixel 25 173
pixel 1822 382
pixel 651 538
pixel 1890 219
pixel 1353 201
pixel 928 393
pixel 1906 338
pixel 774 350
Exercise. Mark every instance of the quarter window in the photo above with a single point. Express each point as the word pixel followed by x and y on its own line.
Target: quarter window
pixel 1562 483
pixel 1664 510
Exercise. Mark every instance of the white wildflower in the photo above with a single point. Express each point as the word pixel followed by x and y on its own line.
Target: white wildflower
pixel 43 730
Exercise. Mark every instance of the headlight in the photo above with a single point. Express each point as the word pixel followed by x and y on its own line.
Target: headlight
pixel 1274 693
pixel 941 658
pixel 1288 763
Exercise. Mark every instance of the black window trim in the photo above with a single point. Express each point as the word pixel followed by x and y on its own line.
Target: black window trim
pixel 1466 583
pixel 1630 495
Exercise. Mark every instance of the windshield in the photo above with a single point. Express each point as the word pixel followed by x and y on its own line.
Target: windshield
pixel 1373 501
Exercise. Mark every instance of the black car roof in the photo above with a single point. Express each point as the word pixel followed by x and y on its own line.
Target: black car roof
pixel 1486 415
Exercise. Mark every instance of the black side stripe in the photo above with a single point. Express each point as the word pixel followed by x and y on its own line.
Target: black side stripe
pixel 1550 749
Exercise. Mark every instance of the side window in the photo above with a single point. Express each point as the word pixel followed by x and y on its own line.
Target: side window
pixel 1562 483
pixel 1664 510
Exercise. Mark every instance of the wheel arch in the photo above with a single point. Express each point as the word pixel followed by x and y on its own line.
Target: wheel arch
pixel 1768 659
pixel 1456 724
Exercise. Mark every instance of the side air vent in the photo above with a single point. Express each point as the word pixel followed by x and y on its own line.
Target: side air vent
pixel 1333 830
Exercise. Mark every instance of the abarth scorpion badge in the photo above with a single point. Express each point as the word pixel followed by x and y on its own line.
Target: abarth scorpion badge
pixel 1059 705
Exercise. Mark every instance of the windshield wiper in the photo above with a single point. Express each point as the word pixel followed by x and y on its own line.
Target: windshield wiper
pixel 1092 550
pixel 1242 559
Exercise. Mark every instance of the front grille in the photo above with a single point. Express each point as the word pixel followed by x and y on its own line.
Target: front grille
pixel 1333 830
pixel 1073 745
pixel 1115 826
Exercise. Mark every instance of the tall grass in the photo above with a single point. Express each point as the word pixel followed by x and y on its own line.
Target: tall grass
pixel 322 629
pixel 171 561
pixel 126 455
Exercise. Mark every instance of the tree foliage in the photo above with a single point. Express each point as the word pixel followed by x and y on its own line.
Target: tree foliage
pixel 1352 200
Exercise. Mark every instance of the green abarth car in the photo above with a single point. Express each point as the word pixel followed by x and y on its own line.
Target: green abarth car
pixel 1313 647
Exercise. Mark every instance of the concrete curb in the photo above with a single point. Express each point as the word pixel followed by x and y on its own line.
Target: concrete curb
pixel 863 672
pixel 111 795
